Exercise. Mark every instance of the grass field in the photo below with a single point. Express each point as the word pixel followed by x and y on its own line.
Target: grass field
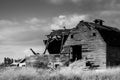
pixel 65 73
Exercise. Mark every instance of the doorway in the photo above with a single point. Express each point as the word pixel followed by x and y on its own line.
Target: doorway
pixel 76 52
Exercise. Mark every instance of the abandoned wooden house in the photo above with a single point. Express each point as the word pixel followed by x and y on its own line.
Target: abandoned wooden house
pixel 95 43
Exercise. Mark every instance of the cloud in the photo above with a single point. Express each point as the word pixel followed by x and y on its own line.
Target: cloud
pixel 16 37
pixel 4 22
pixel 88 5
pixel 35 21
pixel 7 23
pixel 110 17
pixel 75 1
pixel 110 12
pixel 68 21
pixel 22 33
pixel 57 1
pixel 63 1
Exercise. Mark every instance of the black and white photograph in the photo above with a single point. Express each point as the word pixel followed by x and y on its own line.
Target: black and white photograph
pixel 59 39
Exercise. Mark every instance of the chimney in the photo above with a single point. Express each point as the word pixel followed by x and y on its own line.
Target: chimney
pixel 98 21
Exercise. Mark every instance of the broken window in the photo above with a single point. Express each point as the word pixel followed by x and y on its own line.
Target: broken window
pixel 72 36
pixel 94 34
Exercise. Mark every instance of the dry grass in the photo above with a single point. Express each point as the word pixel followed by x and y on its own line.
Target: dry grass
pixel 66 73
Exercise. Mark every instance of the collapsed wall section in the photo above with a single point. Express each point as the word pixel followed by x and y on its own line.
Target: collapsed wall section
pixel 48 61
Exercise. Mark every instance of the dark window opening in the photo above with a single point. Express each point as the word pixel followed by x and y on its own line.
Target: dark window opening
pixel 76 52
pixel 72 36
pixel 57 65
pixel 94 34
pixel 91 65
pixel 88 63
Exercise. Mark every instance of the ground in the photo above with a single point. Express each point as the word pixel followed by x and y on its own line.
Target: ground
pixel 65 73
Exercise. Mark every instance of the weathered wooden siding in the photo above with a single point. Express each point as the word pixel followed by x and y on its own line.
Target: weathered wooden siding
pixel 93 46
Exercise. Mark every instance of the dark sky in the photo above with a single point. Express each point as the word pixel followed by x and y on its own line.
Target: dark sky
pixel 23 23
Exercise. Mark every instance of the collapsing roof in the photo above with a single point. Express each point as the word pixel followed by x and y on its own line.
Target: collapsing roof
pixel 110 35
pixel 91 42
